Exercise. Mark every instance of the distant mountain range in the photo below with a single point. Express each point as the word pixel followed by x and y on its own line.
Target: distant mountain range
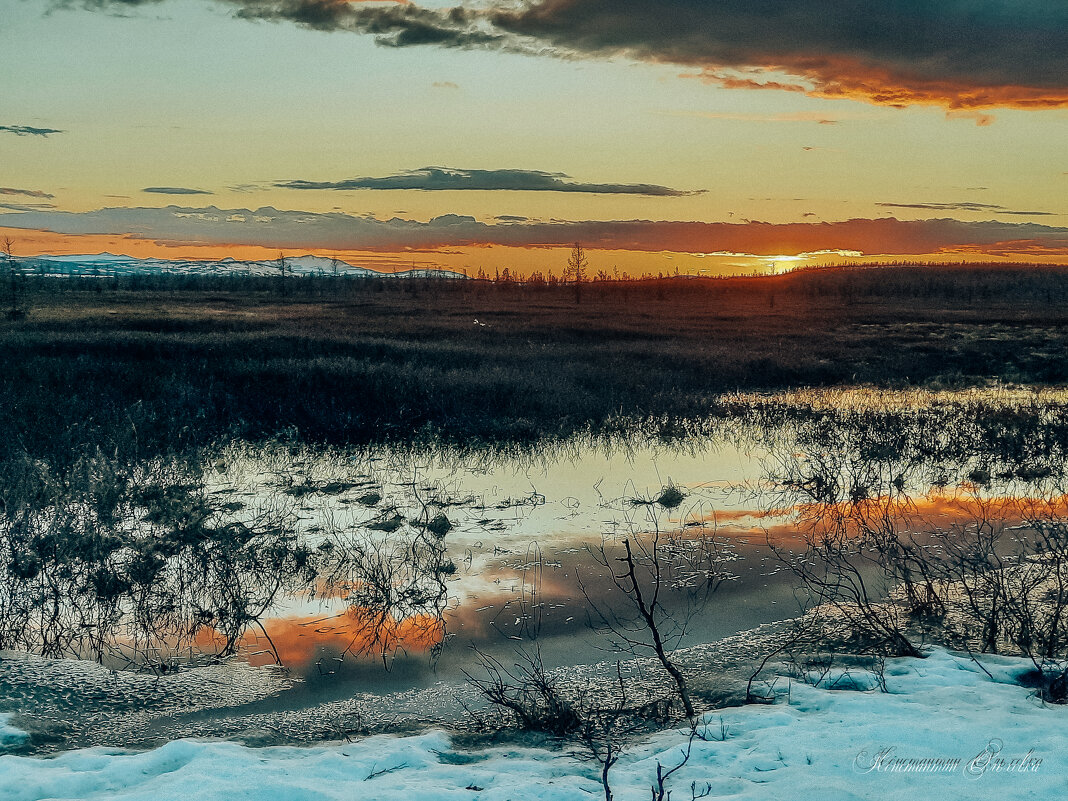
pixel 108 264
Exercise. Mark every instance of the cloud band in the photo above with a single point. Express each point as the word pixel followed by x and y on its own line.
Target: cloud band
pixel 297 229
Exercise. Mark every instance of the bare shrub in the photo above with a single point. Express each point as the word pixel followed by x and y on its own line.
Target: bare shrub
pixel 138 563
pixel 882 576
pixel 643 567
pixel 527 692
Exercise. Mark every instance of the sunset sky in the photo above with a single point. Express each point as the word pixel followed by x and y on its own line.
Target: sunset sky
pixel 706 136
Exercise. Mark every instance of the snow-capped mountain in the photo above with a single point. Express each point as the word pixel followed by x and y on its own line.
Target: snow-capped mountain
pixel 109 264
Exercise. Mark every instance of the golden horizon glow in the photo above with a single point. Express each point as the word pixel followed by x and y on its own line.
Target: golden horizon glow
pixel 521 261
pixel 190 106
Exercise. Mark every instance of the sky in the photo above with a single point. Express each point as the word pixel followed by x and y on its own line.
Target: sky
pixel 697 136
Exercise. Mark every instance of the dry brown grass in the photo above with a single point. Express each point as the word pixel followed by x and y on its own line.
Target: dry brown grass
pixel 106 363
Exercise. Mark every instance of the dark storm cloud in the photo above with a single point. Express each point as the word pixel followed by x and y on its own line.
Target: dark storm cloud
pixel 394 25
pixel 976 208
pixel 298 229
pixel 961 54
pixel 444 178
pixel 27 130
pixel 174 190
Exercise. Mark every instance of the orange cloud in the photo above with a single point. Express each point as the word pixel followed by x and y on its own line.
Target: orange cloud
pixel 636 247
pixel 850 79
pixel 274 229
pixel 959 55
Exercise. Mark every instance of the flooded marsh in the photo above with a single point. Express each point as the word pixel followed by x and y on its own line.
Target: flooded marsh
pixel 288 593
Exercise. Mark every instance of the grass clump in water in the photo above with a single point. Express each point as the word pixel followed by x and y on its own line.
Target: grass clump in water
pixel 670 497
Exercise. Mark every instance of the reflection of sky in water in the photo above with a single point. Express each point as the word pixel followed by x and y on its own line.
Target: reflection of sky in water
pixel 524 526
pixel 522 530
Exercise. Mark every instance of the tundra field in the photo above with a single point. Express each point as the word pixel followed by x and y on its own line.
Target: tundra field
pixel 168 362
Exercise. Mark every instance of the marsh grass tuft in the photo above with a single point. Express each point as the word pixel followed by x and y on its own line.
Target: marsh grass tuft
pixel 671 497
pixel 439 525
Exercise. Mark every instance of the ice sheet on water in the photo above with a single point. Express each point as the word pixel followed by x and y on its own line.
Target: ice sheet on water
pixel 83 702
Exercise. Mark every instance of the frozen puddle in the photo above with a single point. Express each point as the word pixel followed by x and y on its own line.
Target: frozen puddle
pixel 77 704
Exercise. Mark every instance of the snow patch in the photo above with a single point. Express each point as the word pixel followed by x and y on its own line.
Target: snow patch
pixel 945 727
pixel 9 735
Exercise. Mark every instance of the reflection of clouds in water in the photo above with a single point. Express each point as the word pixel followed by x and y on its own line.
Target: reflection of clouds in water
pixel 933 512
pixel 519 596
pixel 523 525
pixel 930 512
pixel 562 499
pixel 568 498
pixel 565 489
pixel 301 642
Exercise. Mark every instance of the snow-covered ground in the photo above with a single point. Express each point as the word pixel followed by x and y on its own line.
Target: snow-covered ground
pixel 9 735
pixel 945 729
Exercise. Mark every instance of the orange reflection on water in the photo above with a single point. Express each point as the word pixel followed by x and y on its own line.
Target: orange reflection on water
pixel 301 641
pixel 935 511
pixel 935 508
